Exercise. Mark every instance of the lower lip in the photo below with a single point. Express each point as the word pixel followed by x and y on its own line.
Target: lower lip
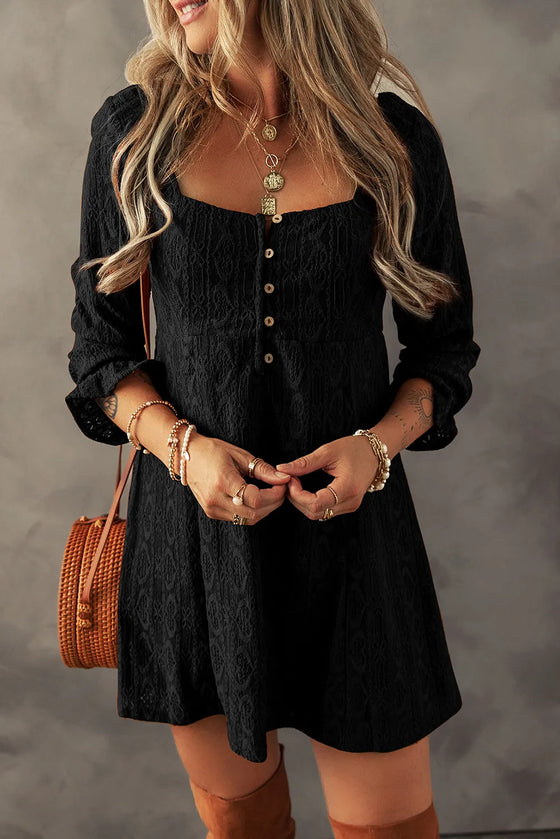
pixel 193 14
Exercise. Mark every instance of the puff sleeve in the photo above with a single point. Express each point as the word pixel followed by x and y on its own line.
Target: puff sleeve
pixel 441 350
pixel 108 330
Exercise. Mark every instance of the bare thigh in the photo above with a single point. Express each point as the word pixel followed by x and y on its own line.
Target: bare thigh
pixel 208 759
pixel 375 787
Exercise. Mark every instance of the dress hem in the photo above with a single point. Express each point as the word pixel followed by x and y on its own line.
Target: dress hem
pixel 288 721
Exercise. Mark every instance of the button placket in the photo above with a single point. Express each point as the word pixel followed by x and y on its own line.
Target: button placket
pixel 268 287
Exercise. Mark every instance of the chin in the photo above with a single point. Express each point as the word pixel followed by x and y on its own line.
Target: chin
pixel 200 32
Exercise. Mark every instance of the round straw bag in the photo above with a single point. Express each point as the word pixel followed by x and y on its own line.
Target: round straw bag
pixel 88 592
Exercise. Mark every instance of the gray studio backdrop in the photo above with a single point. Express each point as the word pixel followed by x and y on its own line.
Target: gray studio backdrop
pixel 69 766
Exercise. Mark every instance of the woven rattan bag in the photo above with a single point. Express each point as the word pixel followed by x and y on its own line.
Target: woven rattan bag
pixel 88 590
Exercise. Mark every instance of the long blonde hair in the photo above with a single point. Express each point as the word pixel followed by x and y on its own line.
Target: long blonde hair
pixel 332 55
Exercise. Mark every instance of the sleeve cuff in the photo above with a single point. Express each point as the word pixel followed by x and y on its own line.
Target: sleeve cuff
pixel 88 415
pixel 444 427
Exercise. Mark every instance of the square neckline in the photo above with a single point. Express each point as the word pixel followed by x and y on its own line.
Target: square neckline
pixel 358 192
pixel 187 198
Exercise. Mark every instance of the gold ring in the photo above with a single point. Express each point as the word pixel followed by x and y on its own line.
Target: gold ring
pixel 328 514
pixel 238 497
pixel 334 493
pixel 237 519
pixel 252 465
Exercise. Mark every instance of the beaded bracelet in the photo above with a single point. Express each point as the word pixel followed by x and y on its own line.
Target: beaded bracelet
pixel 184 456
pixel 172 441
pixel 135 414
pixel 380 450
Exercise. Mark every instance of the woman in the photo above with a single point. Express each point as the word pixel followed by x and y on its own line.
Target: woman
pixel 278 199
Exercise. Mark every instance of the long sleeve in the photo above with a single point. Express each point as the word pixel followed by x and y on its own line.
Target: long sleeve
pixel 441 350
pixel 109 336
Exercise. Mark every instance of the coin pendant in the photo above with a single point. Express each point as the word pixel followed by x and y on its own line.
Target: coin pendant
pixel 273 181
pixel 269 132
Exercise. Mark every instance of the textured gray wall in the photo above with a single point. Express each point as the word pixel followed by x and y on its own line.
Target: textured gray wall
pixel 69 766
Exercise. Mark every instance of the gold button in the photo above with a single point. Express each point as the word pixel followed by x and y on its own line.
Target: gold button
pixel 269 320
pixel 268 253
pixel 269 288
pixel 268 357
pixel 277 218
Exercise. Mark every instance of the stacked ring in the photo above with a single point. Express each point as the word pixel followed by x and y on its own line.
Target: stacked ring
pixel 334 493
pixel 328 512
pixel 253 463
pixel 238 497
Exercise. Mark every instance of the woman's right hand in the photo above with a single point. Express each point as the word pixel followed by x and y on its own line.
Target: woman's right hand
pixel 217 469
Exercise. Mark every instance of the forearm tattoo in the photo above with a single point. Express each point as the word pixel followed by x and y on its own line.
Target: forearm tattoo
pixel 109 403
pixel 406 429
pixel 420 398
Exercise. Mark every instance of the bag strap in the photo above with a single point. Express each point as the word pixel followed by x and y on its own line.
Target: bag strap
pixel 121 480
pixel 145 306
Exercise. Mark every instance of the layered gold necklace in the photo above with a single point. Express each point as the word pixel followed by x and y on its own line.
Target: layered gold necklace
pixel 269 131
pixel 274 181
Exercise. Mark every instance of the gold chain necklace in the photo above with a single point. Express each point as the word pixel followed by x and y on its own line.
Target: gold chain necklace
pixel 269 131
pixel 268 197
pixel 274 181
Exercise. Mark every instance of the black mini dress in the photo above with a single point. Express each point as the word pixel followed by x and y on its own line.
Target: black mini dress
pixel 332 628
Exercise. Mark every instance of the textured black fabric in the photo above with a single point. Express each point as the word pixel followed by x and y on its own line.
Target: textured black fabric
pixel 333 627
pixel 109 336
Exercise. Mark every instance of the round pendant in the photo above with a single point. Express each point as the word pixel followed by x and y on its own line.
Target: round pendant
pixel 273 181
pixel 269 132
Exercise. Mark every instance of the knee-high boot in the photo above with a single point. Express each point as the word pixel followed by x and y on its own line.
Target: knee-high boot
pixel 423 825
pixel 264 813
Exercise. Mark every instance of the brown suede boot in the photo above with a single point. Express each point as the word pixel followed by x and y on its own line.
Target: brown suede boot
pixel 423 825
pixel 264 813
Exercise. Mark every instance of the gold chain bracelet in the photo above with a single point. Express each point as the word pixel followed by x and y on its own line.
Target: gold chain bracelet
pixel 380 450
pixel 172 442
pixel 135 414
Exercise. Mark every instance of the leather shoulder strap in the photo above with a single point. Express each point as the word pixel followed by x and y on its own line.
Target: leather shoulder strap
pixel 121 481
pixel 86 591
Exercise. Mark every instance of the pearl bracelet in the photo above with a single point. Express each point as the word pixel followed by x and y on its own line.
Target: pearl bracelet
pixel 380 450
pixel 184 456
pixel 172 441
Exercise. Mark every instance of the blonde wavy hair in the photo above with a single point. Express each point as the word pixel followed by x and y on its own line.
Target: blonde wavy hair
pixel 331 55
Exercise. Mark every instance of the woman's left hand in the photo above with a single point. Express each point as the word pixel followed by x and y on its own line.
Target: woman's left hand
pixel 350 460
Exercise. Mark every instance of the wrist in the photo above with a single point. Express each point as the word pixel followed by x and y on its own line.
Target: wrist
pixel 152 428
pixel 185 446
pixel 390 435
pixel 381 455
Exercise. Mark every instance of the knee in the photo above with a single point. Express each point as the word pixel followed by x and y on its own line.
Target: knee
pixel 211 764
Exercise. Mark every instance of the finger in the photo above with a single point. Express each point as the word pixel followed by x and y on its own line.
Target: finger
pixel 264 471
pixel 306 502
pixel 314 504
pixel 270 495
pixel 263 499
pixel 347 501
pixel 253 512
pixel 294 493
pixel 292 498
pixel 252 497
pixel 302 496
pixel 306 463
pixel 342 493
